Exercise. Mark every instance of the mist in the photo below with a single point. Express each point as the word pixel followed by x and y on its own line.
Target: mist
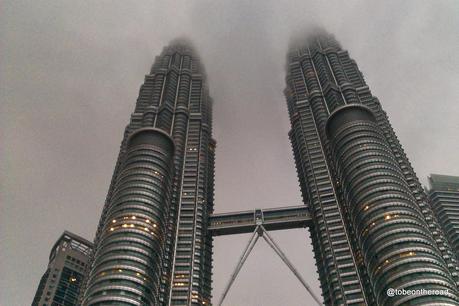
pixel 70 72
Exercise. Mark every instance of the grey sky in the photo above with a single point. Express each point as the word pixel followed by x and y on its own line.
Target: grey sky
pixel 69 78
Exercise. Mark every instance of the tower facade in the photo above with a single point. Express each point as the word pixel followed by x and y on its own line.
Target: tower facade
pixel 152 246
pixel 373 228
pixel 444 196
pixel 61 283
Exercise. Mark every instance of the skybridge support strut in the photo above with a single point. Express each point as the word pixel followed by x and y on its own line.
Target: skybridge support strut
pixel 260 231
pixel 284 258
pixel 253 240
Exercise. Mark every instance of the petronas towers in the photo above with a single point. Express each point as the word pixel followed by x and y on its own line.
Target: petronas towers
pixel 151 246
pixel 372 226
pixel 373 230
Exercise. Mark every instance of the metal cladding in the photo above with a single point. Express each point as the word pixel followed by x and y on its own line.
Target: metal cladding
pixel 152 246
pixel 322 78
pixel 398 248
pixel 128 261
pixel 340 268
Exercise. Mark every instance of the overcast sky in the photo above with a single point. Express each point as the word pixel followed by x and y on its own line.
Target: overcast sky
pixel 70 72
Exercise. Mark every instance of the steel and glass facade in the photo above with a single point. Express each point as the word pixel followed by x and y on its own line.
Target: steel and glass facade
pixel 68 262
pixel 444 196
pixel 372 225
pixel 152 246
pixel 127 265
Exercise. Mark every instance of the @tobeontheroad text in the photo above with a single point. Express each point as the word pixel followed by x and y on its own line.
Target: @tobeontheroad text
pixel 396 292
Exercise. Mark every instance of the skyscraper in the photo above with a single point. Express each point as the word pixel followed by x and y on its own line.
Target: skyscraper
pixel 373 228
pixel 444 196
pixel 152 246
pixel 61 283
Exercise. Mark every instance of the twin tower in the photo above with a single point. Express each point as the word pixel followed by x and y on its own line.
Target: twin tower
pixel 372 227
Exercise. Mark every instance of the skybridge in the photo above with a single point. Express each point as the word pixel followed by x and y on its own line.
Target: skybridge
pixel 243 222
pixel 259 222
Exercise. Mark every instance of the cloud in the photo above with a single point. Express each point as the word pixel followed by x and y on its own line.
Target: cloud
pixel 70 74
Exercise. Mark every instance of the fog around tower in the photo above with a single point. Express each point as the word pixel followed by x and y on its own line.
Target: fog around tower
pixel 69 78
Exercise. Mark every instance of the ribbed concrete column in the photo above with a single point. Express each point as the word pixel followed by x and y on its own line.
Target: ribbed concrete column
pixel 128 260
pixel 398 249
